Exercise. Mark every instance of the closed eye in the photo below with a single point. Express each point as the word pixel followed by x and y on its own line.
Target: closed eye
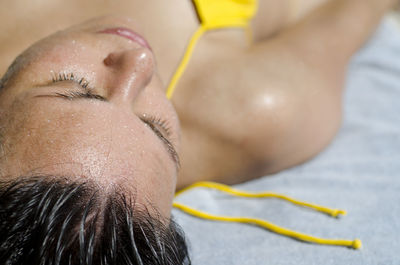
pixel 71 95
pixel 170 147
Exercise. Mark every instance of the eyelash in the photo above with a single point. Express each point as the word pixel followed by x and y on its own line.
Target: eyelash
pixel 71 77
pixel 60 77
pixel 157 122
pixel 153 122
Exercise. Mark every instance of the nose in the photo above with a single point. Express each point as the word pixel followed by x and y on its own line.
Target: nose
pixel 130 72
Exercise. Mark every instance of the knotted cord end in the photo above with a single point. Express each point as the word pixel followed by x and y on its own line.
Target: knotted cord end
pixel 357 244
pixel 337 212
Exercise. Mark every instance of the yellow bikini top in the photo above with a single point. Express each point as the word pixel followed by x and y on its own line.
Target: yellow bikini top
pixel 216 14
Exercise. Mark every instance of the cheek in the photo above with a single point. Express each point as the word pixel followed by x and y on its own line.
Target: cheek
pixel 152 98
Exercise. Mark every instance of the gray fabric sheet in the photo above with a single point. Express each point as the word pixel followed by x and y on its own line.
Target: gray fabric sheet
pixel 359 172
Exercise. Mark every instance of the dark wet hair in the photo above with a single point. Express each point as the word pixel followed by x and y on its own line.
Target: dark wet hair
pixel 55 222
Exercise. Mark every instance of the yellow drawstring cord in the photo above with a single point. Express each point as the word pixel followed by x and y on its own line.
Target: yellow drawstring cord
pixel 356 244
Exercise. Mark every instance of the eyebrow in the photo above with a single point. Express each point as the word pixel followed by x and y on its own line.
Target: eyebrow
pixel 87 94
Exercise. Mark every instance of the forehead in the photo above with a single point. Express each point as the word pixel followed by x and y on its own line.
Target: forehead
pixel 96 142
pixel 88 137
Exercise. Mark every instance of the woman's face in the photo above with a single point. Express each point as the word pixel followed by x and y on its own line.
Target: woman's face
pixel 87 103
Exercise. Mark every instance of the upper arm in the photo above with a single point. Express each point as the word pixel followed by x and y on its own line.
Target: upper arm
pixel 334 31
pixel 296 100
pixel 300 75
pixel 296 108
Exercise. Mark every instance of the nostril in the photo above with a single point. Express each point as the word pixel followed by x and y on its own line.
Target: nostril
pixel 109 60
pixel 136 59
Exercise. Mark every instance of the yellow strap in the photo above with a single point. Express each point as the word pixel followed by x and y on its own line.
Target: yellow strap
pixel 189 52
pixel 185 60
pixel 356 244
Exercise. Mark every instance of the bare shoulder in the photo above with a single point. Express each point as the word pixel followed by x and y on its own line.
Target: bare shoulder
pixel 258 110
pixel 304 97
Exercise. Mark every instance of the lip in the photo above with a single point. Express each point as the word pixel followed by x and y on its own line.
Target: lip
pixel 127 34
